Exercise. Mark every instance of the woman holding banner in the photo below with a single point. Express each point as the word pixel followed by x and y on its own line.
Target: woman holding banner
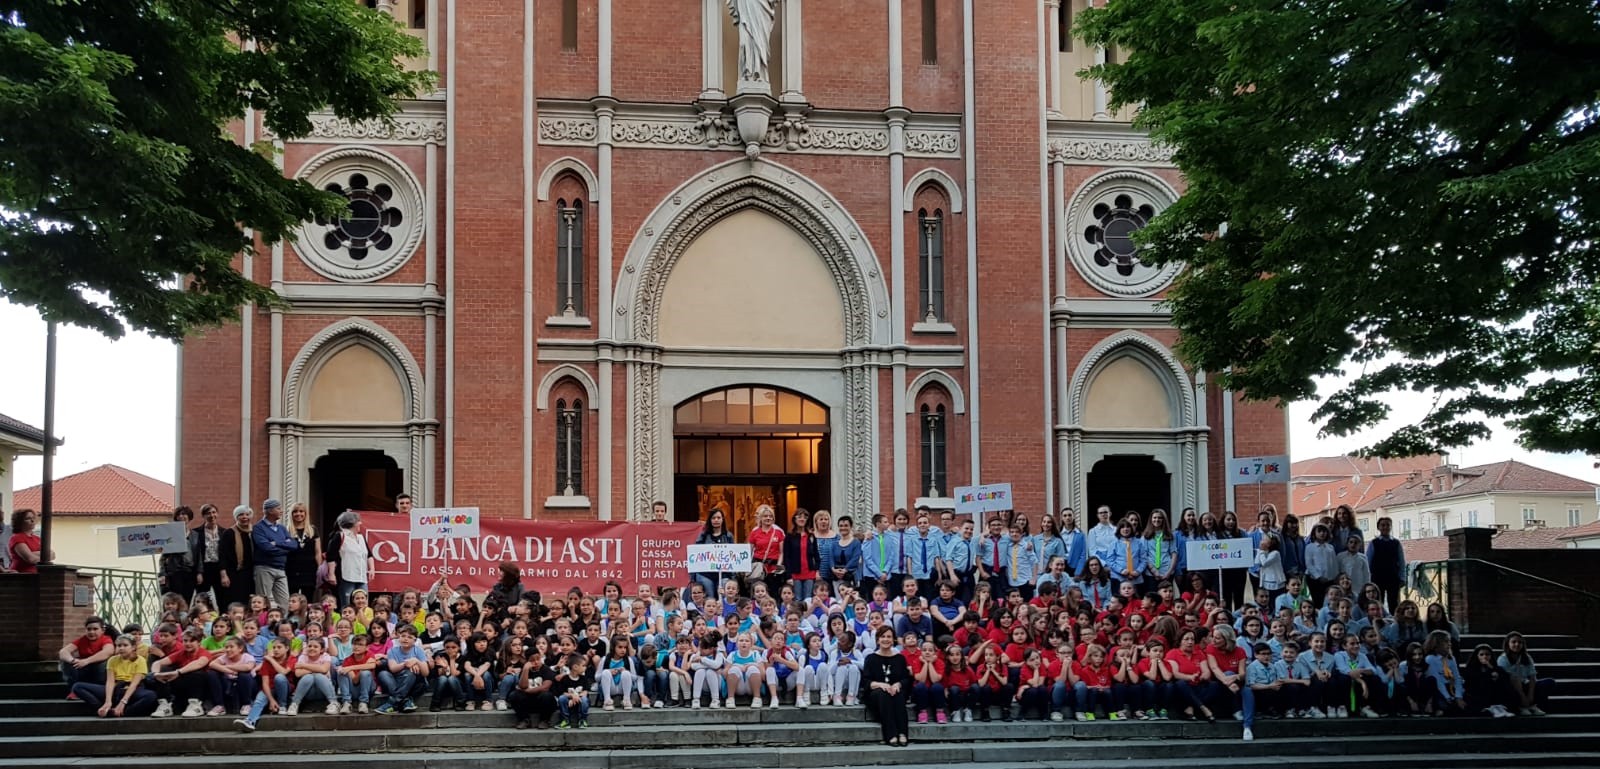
pixel 715 533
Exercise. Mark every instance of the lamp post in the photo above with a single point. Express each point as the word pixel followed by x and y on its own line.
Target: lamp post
pixel 46 504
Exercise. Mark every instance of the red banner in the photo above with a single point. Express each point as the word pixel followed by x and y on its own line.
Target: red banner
pixel 554 557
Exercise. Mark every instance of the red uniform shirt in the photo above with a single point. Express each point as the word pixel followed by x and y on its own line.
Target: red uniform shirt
pixel 1017 652
pixel 1228 661
pixel 87 648
pixel 960 679
pixel 1142 667
pixel 1094 678
pixel 1187 665
pixel 917 664
pixel 182 657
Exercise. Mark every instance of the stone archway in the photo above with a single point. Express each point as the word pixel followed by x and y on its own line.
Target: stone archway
pixel 815 216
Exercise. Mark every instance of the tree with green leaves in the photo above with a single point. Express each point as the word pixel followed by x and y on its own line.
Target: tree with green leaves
pixel 124 196
pixel 1402 192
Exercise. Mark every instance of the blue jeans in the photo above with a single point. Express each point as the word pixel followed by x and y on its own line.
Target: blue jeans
pixel 569 710
pixel 345 589
pixel 470 690
pixel 1090 699
pixel 655 684
pixel 508 684
pixel 1247 704
pixel 447 687
pixel 402 686
pixel 318 681
pixel 280 692
pixel 232 693
pixel 89 674
pixel 359 690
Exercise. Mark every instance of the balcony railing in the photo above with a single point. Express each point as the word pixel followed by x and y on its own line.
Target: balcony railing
pixel 122 597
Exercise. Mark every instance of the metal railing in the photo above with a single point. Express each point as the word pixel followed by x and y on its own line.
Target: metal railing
pixel 122 597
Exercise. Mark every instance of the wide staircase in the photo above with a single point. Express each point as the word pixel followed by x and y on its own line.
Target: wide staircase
pixel 38 728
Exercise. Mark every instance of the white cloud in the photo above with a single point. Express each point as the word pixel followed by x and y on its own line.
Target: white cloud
pixel 115 400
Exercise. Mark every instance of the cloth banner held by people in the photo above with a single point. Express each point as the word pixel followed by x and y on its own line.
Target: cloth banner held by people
pixel 553 556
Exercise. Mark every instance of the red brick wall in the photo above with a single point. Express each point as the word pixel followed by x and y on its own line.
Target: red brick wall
pixel 42 617
pixel 846 64
pixel 1539 591
pixel 931 87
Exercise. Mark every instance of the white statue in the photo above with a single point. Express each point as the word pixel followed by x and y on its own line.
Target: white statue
pixel 754 20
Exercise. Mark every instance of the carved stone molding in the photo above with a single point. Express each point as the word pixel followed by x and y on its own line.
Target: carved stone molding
pixel 789 130
pixel 569 130
pixel 1128 151
pixel 404 129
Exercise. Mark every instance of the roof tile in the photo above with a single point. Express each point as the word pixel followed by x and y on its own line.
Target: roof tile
pixel 107 490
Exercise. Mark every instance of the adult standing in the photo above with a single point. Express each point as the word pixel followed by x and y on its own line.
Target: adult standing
pixel 766 547
pixel 508 590
pixel 827 547
pixel 715 533
pixel 349 556
pixel 273 544
pixel 177 567
pixel 205 542
pixel 1103 537
pixel 800 556
pixel 1386 558
pixel 237 578
pixel 887 680
pixel 24 546
pixel 301 564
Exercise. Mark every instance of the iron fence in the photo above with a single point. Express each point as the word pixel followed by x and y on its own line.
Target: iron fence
pixel 122 597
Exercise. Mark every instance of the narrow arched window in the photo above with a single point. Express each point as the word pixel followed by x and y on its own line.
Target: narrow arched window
pixel 569 258
pixel 569 448
pixel 934 478
pixel 930 258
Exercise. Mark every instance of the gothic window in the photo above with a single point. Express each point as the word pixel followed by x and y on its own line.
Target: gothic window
pixel 1104 218
pixel 930 259
pixel 569 258
pixel 930 32
pixel 934 479
pixel 369 219
pixel 381 225
pixel 569 448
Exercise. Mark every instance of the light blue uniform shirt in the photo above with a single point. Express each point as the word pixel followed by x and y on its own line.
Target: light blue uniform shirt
pixel 922 552
pixel 960 553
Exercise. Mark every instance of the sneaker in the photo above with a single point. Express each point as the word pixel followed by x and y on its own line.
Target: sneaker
pixel 1249 736
pixel 163 710
pixel 1087 716
pixel 472 705
pixel 563 724
pixel 1057 716
pixel 1116 715
pixel 696 705
pixel 1329 712
pixel 852 702
pixel 774 705
pixel 1164 715
pixel 583 723
pixel 1524 712
pixel 1501 712
pixel 294 710
pixel 656 704
pixel 1081 716
pixel 409 707
pixel 755 703
pixel 803 702
pixel 1536 711
pixel 244 711
pixel 966 715
pixel 386 709
pixel 332 709
pixel 361 708
pixel 216 711
pixel 195 709
pixel 344 710
pixel 1238 715
pixel 1140 715
pixel 922 716
pixel 244 723
pixel 609 705
pixel 1368 712
pixel 941 717
pixel 715 703
pixel 72 696
pixel 1291 713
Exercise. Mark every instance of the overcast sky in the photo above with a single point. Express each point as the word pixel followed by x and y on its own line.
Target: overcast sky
pixel 115 403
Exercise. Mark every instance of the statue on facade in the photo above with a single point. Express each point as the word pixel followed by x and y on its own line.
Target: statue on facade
pixel 754 19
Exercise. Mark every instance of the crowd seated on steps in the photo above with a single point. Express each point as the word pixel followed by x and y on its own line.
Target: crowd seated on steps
pixel 1006 627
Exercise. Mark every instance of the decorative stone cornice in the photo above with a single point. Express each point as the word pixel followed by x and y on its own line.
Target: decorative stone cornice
pixel 405 128
pixel 1099 151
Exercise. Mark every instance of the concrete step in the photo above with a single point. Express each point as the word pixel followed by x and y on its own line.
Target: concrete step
pixel 20 690
pixel 1575 703
pixel 380 735
pixel 1046 755
pixel 1577 686
pixel 780 725
pixel 1569 670
pixel 1557 656
pixel 41 708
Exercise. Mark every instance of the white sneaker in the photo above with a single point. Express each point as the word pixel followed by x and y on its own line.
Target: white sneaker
pixel 344 710
pixel 656 704
pixel 627 704
pixel 715 703
pixel 332 709
pixel 838 701
pixel 803 701
pixel 774 705
pixel 244 711
pixel 1333 712
pixel 1056 716
pixel 610 705
pixel 1080 716
pixel 966 715
pixel 1535 711
pixel 216 711
pixel 361 708
pixel 294 710
pixel 852 702
pixel 1238 715
pixel 1368 712
pixel 694 705
pixel 755 703
pixel 500 705
pixel 195 709
pixel 164 710
pixel 1317 712
pixel 1249 736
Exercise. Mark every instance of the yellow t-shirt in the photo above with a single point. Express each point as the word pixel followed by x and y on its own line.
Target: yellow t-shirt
pixel 124 670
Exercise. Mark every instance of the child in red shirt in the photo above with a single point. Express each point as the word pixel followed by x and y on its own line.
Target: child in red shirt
pixel 1093 679
pixel 1033 687
pixel 1150 696
pixel 959 684
pixel 994 685
pixel 927 687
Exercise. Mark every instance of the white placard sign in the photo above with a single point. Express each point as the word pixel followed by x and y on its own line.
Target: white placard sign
pixel 151 540
pixel 1247 470
pixel 1204 554
pixel 724 559
pixel 444 522
pixel 988 498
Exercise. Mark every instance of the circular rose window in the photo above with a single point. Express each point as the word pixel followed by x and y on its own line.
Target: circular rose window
pixel 1105 215
pixel 381 225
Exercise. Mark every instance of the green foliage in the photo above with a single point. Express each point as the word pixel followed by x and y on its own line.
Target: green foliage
pixel 1410 196
pixel 124 195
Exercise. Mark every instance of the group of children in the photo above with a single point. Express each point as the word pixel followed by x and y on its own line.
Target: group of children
pixel 1091 648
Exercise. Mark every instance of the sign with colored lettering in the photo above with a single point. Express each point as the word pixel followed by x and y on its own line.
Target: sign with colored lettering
pixel 988 498
pixel 444 522
pixel 726 559
pixel 152 540
pixel 1202 554
pixel 1246 470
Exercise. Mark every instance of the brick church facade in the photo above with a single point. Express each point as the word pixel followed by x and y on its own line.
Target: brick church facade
pixel 822 253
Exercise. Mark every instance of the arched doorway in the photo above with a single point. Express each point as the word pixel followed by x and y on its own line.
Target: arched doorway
pixel 1130 482
pixel 739 447
pixel 353 479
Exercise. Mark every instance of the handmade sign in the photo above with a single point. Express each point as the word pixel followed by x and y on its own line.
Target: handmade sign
pixel 988 498
pixel 726 559
pixel 1247 470
pixel 444 522
pixel 154 539
pixel 1201 554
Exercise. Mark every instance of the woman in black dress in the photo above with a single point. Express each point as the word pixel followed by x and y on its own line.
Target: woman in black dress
pixel 886 682
pixel 301 565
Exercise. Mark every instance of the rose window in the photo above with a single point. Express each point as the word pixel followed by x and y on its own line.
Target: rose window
pixel 1112 233
pixel 369 221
